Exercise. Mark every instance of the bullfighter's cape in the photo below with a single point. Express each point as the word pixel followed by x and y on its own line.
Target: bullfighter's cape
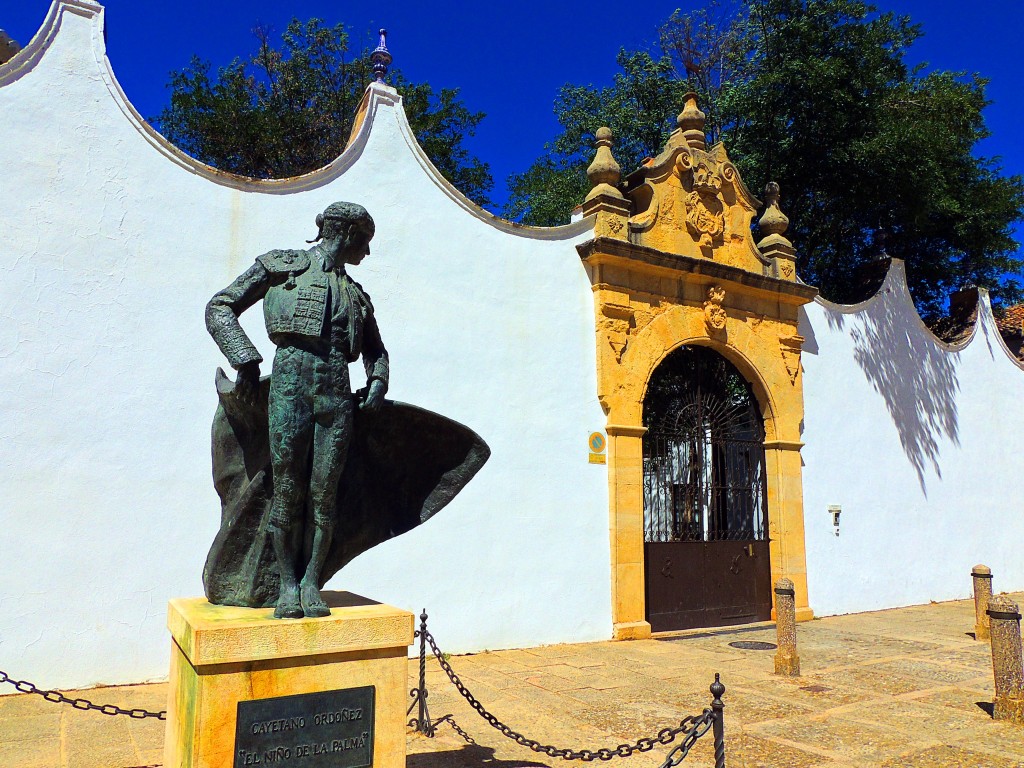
pixel 404 464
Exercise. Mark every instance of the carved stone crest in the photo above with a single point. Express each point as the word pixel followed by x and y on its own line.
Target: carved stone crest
pixel 704 214
pixel 714 314
pixel 790 346
pixel 617 325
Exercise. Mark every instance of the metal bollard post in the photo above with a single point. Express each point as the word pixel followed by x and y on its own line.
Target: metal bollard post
pixel 718 707
pixel 422 721
pixel 787 662
pixel 982 577
pixel 1007 661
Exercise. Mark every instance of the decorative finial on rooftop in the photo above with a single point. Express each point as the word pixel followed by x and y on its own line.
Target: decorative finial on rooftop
pixel 8 47
pixel 691 123
pixel 774 221
pixel 605 201
pixel 881 236
pixel 604 173
pixel 381 57
pixel 774 245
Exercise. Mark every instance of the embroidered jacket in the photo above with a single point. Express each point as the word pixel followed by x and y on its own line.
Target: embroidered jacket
pixel 297 304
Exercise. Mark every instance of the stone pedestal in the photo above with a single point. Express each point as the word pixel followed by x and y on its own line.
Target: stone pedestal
pixel 223 656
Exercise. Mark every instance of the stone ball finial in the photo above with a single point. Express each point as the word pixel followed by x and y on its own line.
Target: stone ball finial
pixel 381 57
pixel 774 221
pixel 691 123
pixel 604 173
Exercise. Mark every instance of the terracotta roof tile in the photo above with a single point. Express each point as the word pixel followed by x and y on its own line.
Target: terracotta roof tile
pixel 1012 321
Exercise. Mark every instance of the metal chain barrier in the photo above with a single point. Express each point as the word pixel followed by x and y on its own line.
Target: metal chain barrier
pixel 455 727
pixel 84 704
pixel 693 726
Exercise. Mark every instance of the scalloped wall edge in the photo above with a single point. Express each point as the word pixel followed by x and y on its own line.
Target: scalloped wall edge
pixel 895 284
pixel 376 95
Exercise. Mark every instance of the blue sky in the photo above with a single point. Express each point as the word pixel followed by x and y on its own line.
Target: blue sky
pixel 510 59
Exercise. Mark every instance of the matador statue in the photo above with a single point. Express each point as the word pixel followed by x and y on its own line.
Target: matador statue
pixel 345 470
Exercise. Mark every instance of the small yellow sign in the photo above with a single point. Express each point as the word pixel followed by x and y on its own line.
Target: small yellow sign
pixel 597 458
pixel 597 443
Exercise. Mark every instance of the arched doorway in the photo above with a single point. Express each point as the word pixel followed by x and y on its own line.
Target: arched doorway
pixel 705 495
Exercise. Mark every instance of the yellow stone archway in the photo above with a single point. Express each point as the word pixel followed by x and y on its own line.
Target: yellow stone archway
pixel 674 263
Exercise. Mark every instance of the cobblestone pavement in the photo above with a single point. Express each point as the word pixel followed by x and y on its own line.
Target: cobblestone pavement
pixel 905 687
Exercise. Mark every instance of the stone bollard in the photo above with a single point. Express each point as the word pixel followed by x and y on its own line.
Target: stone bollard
pixel 982 576
pixel 1007 661
pixel 786 660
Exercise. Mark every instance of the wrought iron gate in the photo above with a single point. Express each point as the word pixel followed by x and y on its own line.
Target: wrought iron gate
pixel 705 506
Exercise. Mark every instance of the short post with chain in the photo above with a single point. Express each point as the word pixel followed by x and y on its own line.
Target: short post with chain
pixel 787 662
pixel 1007 662
pixel 419 694
pixel 718 708
pixel 981 575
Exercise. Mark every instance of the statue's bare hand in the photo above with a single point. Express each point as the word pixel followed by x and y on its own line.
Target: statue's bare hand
pixel 247 383
pixel 374 397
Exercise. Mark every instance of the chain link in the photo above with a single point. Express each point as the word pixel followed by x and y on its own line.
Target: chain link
pixel 84 704
pixel 693 726
pixel 682 749
pixel 455 727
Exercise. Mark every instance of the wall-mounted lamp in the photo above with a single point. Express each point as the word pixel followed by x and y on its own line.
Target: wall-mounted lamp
pixel 835 510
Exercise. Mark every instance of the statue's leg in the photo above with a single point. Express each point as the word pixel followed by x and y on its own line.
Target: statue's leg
pixel 332 435
pixel 291 433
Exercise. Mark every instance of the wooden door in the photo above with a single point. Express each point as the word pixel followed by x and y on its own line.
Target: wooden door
pixel 705 507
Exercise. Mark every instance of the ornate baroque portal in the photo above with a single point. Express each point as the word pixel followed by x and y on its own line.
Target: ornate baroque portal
pixel 674 265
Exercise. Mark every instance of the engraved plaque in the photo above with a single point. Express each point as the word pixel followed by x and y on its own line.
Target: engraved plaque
pixel 331 729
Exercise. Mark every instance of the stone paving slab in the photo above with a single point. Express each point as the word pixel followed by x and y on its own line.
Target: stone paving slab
pixel 888 689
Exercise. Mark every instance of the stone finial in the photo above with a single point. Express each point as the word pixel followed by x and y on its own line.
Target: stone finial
pixel 881 238
pixel 604 173
pixel 773 221
pixel 981 575
pixel 1007 662
pixel 611 207
pixel 381 57
pixel 691 123
pixel 774 245
pixel 8 47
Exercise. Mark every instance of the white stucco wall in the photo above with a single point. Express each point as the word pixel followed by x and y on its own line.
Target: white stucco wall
pixel 921 445
pixel 111 243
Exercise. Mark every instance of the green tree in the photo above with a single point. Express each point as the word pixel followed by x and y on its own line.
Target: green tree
pixel 816 95
pixel 289 110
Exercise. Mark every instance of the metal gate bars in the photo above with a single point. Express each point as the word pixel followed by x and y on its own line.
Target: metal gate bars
pixel 706 560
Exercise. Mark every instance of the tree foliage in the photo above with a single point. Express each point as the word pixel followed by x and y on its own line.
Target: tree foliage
pixel 816 95
pixel 289 110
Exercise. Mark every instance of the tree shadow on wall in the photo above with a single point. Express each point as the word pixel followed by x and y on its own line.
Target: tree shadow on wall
pixel 915 376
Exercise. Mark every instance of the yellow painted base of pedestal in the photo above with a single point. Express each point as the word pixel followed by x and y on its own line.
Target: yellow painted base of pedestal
pixel 222 655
